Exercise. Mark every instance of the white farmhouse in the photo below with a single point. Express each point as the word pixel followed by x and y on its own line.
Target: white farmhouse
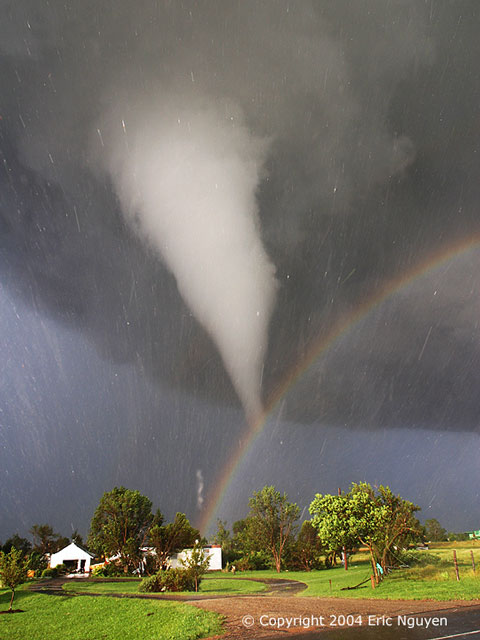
pixel 74 557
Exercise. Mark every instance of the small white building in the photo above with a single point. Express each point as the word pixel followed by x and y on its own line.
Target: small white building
pixel 212 551
pixel 74 557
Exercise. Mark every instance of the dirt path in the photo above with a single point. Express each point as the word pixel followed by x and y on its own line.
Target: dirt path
pixel 275 586
pixel 247 617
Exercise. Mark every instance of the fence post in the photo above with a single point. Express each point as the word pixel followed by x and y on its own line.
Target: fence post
pixel 455 563
pixel 473 561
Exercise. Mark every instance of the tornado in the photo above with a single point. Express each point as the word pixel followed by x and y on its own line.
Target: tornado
pixel 187 180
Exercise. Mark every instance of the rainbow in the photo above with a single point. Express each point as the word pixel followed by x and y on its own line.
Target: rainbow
pixel 318 348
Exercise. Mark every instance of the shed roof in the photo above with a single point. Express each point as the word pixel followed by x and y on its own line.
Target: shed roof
pixel 74 550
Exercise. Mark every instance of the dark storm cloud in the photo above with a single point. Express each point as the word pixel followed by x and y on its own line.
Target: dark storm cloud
pixel 411 362
pixel 368 112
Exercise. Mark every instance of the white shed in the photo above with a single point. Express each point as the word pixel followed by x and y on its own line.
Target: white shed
pixel 73 557
pixel 212 551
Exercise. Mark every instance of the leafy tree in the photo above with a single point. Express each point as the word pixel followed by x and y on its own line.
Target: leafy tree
pixel 270 523
pixel 120 525
pixel 434 531
pixel 458 536
pixel 196 563
pixel 37 562
pixel 171 538
pixel 22 544
pixel 399 524
pixel 45 540
pixel 240 541
pixel 378 521
pixel 77 538
pixel 222 537
pixel 244 550
pixel 307 551
pixel 227 542
pixel 13 570
pixel 332 520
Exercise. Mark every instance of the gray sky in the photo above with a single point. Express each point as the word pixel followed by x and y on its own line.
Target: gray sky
pixel 194 195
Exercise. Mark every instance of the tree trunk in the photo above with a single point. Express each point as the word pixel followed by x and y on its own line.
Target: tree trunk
pixel 374 564
pixel 278 562
pixel 11 599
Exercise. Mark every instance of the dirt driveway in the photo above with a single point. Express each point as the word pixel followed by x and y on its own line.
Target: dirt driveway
pixel 249 617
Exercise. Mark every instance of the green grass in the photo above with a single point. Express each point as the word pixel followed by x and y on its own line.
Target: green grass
pixel 209 586
pixel 48 617
pixel 436 581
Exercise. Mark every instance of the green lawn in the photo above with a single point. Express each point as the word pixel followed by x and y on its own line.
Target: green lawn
pixel 48 617
pixel 209 585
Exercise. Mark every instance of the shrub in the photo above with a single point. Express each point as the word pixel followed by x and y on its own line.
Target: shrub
pixel 169 580
pixel 37 562
pixel 54 572
pixel 109 570
pixel 418 558
pixel 254 561
pixel 149 584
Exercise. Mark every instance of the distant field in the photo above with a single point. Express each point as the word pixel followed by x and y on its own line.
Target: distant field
pixel 49 617
pixel 464 544
pixel 209 585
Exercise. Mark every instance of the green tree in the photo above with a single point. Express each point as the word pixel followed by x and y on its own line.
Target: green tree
pixel 458 536
pixel 222 537
pixel 37 562
pixel 121 525
pixel 77 538
pixel 434 531
pixel 270 523
pixel 307 551
pixel 378 521
pixel 13 570
pixel 171 538
pixel 228 542
pixel 22 544
pixel 45 540
pixel 196 563
pixel 399 525
pixel 332 518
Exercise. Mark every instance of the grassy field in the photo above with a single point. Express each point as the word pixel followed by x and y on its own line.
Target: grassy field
pixel 49 617
pixel 428 581
pixel 463 544
pixel 209 586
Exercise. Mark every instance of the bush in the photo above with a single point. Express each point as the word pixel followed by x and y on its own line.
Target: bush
pixel 37 562
pixel 255 561
pixel 169 580
pixel 54 572
pixel 109 570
